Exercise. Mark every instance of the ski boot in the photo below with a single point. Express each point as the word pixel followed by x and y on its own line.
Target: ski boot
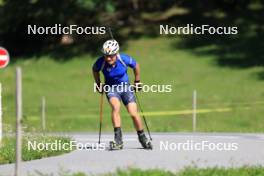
pixel 144 141
pixel 117 144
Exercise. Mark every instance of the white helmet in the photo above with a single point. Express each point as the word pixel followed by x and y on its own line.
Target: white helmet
pixel 110 47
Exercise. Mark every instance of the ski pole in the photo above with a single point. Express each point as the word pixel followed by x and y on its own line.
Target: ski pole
pixel 101 116
pixel 110 32
pixel 102 101
pixel 144 118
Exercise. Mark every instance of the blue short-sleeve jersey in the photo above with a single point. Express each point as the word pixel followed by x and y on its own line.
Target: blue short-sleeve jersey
pixel 116 74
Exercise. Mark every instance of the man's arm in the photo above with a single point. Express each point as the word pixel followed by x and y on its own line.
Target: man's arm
pixel 99 85
pixel 137 73
pixel 137 83
pixel 96 76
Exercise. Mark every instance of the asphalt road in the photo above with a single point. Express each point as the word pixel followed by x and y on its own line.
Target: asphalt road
pixel 172 151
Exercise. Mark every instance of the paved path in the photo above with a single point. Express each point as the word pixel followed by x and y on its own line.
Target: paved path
pixel 250 151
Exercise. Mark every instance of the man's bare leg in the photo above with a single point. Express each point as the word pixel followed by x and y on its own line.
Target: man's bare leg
pixel 116 120
pixel 132 110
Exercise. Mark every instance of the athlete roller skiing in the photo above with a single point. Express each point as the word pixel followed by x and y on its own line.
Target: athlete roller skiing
pixel 114 67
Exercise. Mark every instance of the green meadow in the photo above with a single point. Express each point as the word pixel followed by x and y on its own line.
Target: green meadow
pixel 72 105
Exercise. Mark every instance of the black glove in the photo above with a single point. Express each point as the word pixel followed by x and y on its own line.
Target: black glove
pixel 100 87
pixel 138 86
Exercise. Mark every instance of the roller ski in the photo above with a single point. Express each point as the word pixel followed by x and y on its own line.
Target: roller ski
pixel 144 141
pixel 113 145
pixel 117 144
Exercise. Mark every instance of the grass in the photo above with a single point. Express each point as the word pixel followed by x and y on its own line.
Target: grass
pixel 7 149
pixel 242 171
pixel 68 88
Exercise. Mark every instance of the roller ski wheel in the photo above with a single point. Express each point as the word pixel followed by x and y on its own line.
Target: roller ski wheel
pixel 115 146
